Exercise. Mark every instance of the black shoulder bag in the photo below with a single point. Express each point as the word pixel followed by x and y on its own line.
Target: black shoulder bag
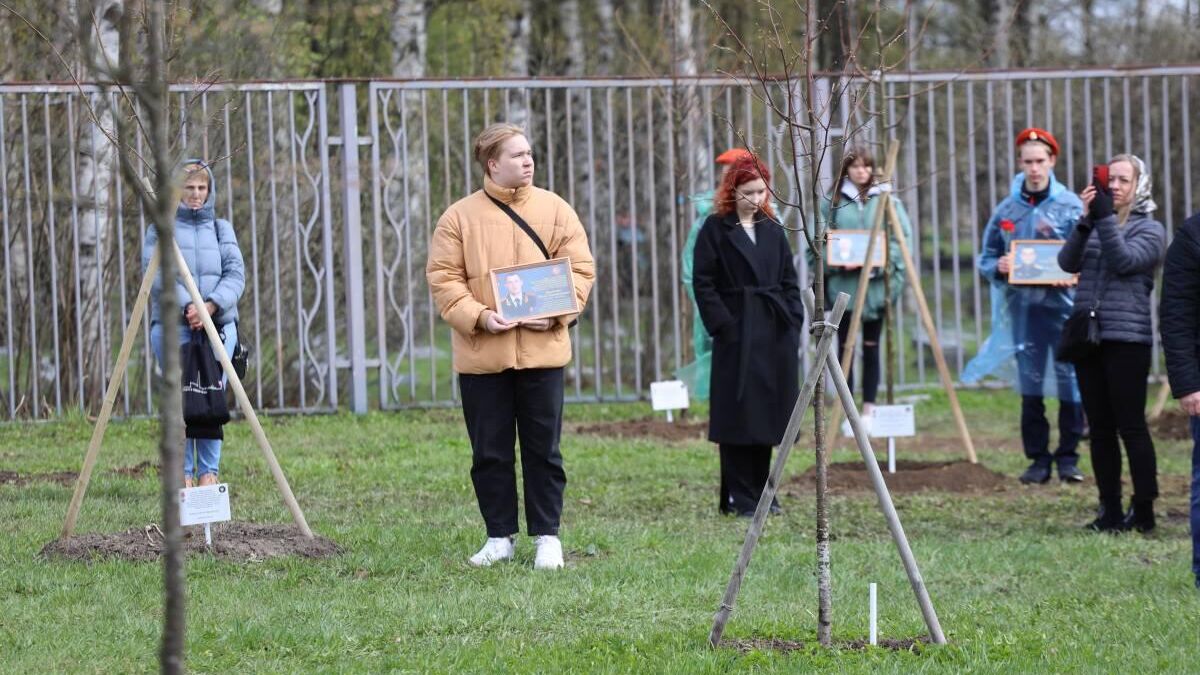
pixel 527 230
pixel 1080 338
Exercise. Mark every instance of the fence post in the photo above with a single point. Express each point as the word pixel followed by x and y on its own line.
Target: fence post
pixel 353 269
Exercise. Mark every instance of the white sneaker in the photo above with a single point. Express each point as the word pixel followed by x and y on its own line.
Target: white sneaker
pixel 496 549
pixel 549 553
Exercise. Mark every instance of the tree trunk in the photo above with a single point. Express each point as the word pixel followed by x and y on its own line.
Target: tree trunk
pixel 572 30
pixel 408 38
pixel 520 26
pixel 913 27
pixel 99 22
pixel 824 582
pixel 155 103
pixel 996 16
pixel 684 64
pixel 607 38
pixel 1088 9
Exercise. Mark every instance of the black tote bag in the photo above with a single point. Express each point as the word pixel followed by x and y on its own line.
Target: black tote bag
pixel 205 410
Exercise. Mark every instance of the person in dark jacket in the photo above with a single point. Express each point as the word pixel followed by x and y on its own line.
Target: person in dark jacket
pixel 1179 323
pixel 211 250
pixel 747 292
pixel 1115 248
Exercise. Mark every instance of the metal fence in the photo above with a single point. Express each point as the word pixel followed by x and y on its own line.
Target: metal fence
pixel 334 225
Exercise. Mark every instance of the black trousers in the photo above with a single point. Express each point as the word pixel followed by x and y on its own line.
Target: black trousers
pixel 1113 385
pixel 869 339
pixel 744 471
pixel 499 408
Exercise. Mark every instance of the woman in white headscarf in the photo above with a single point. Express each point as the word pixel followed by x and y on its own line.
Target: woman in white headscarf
pixel 1115 248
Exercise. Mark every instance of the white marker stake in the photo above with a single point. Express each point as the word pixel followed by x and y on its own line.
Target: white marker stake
pixel 208 535
pixel 891 455
pixel 874 631
pixel 670 417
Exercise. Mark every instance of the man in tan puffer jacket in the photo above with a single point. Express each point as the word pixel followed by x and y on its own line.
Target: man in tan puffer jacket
pixel 510 373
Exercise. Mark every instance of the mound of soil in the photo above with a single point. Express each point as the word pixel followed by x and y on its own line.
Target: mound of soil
pixel 911 476
pixel 136 470
pixel 775 644
pixel 1171 425
pixel 61 477
pixel 657 428
pixel 242 542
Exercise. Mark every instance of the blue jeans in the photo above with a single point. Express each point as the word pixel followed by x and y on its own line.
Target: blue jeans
pixel 1036 329
pixel 1196 497
pixel 204 452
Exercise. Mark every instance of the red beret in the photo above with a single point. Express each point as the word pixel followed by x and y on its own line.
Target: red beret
pixel 734 155
pixel 1041 135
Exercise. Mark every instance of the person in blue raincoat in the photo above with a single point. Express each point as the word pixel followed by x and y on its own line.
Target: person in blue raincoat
pixel 210 248
pixel 1027 320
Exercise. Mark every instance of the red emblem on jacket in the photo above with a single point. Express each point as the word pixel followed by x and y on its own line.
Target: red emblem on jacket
pixel 1007 225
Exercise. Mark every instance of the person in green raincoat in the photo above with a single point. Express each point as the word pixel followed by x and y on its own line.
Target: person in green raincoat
pixel 696 373
pixel 852 205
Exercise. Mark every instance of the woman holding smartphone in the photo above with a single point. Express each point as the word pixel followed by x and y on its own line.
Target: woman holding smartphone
pixel 1115 248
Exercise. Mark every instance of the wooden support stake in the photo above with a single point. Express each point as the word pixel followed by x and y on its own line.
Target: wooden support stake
pixel 885 498
pixel 930 330
pixel 1160 402
pixel 239 391
pixel 110 396
pixel 790 434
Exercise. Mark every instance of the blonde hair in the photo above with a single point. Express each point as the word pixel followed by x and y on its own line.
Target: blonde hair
pixel 193 168
pixel 1135 164
pixel 487 144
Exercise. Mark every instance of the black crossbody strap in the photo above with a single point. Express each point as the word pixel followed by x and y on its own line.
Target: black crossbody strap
pixel 521 224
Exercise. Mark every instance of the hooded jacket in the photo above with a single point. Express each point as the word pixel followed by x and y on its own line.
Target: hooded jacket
pixel 211 250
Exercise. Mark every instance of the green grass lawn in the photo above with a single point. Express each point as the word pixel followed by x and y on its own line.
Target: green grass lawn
pixel 1018 585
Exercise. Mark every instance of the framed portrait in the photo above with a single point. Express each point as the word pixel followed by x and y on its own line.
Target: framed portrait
pixel 848 248
pixel 538 290
pixel 1035 263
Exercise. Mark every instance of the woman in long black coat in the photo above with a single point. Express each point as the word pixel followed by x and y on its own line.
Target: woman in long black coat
pixel 749 300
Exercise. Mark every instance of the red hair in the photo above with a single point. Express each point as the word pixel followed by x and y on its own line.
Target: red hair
pixel 742 171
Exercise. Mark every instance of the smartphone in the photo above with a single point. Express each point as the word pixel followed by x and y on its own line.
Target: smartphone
pixel 1100 176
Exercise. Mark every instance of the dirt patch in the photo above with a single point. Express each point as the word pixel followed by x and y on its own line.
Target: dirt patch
pixel 911 476
pixel 650 428
pixel 775 644
pixel 241 542
pixel 136 470
pixel 66 478
pixel 1171 425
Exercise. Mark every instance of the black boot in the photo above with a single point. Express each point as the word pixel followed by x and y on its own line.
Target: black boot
pixel 1108 518
pixel 1140 516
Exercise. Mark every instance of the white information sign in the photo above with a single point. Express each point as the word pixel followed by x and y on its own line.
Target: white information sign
pixel 201 505
pixel 668 395
pixel 893 421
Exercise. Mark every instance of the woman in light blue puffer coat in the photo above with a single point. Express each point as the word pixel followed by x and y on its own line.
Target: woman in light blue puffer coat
pixel 211 250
